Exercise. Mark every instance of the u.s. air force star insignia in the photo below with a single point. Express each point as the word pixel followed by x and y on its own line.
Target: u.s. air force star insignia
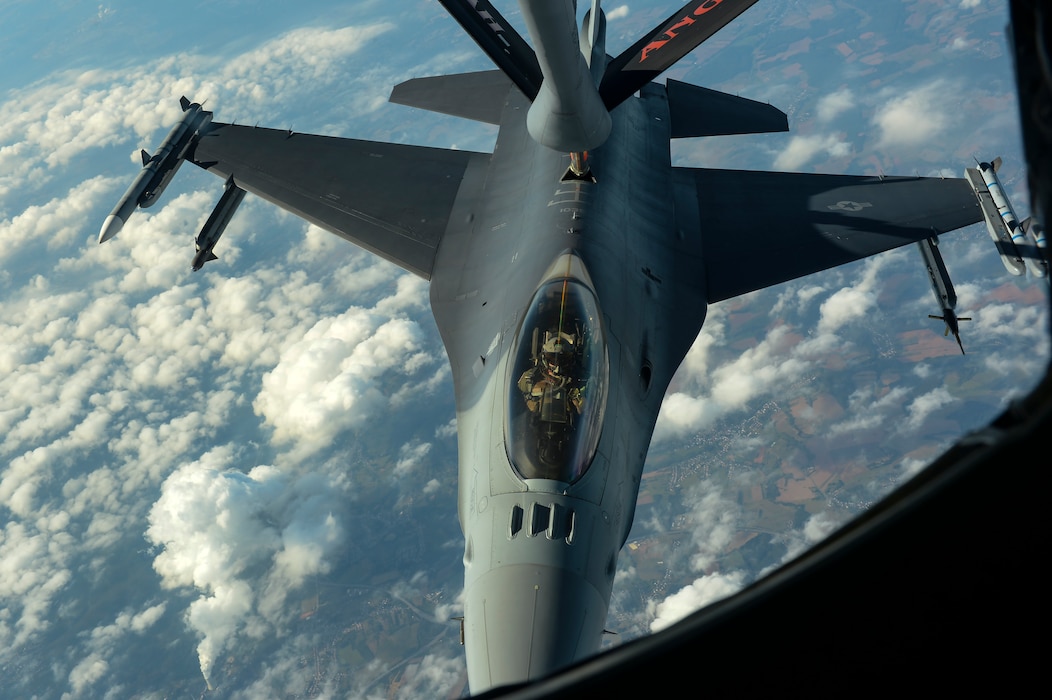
pixel 848 205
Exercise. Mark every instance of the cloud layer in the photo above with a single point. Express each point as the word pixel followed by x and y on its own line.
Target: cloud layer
pixel 207 421
pixel 251 463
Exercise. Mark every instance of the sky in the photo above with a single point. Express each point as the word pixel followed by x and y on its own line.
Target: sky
pixel 248 474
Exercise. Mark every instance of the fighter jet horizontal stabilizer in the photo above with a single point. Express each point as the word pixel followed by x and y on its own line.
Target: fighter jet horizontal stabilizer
pixel 697 111
pixel 476 96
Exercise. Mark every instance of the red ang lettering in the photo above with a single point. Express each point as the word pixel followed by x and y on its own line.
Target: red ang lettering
pixel 670 33
pixel 706 6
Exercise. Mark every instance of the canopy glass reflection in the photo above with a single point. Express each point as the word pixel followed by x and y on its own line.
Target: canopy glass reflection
pixel 558 384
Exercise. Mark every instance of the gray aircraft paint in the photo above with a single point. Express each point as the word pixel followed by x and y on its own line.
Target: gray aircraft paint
pixel 527 618
pixel 655 244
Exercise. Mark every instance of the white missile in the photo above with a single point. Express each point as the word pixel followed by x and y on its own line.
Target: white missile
pixel 1004 207
pixel 1038 232
pixel 126 205
pixel 158 169
pixel 1034 249
pixel 995 222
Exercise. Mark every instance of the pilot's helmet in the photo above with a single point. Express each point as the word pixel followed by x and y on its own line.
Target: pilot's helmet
pixel 556 352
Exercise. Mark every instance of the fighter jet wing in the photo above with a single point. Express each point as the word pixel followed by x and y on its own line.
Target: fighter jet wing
pixel 762 228
pixel 391 199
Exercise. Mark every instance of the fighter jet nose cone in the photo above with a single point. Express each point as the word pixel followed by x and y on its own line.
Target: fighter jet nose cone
pixel 110 228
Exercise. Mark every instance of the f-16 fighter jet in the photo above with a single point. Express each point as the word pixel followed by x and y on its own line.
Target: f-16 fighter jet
pixel 570 271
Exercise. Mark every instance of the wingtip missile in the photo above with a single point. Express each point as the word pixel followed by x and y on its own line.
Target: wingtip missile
pixel 110 227
pixel 126 204
pixel 1004 206
pixel 157 169
pixel 1001 222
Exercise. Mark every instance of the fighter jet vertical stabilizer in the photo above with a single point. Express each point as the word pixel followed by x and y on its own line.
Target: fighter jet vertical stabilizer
pixel 593 41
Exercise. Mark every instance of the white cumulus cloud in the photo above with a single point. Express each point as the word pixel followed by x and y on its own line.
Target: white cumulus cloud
pixel 832 105
pixel 915 117
pixel 705 590
pixel 344 371
pixel 244 540
pixel 803 149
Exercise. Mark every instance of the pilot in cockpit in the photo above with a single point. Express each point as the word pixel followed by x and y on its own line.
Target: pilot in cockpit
pixel 550 383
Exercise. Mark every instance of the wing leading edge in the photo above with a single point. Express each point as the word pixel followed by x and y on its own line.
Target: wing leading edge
pixel 391 199
pixel 762 228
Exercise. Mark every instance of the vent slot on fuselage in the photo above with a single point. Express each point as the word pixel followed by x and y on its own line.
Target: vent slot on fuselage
pixel 555 522
pixel 540 516
pixel 516 521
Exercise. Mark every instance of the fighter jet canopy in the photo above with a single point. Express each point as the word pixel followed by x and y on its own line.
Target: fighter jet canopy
pixel 557 379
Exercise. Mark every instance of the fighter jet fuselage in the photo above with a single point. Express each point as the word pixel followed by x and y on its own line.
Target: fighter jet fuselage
pixel 548 490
